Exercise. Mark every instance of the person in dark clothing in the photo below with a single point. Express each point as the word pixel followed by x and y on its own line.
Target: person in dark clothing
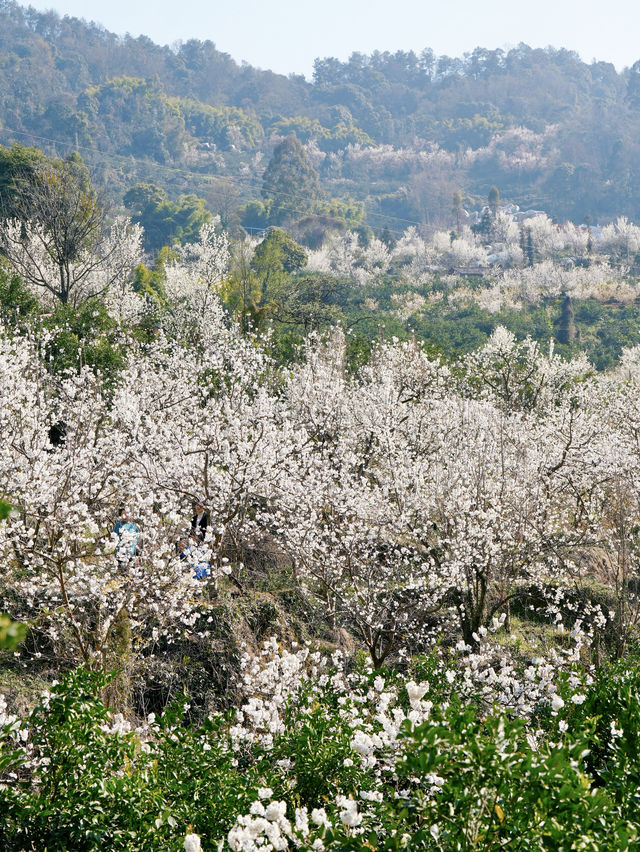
pixel 199 523
pixel 57 435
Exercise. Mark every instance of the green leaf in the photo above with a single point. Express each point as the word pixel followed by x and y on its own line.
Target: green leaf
pixel 12 633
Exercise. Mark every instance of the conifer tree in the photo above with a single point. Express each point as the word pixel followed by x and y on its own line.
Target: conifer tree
pixel 290 182
pixel 567 325
pixel 494 200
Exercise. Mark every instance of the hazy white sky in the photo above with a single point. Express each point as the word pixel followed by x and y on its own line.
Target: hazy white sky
pixel 287 35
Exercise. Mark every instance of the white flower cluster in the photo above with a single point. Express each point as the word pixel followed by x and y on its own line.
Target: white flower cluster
pixel 378 721
pixel 411 499
pixel 9 723
pixel 267 829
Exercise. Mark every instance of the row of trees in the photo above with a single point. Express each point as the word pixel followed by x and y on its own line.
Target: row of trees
pixel 404 130
pixel 61 236
pixel 408 497
pixel 407 504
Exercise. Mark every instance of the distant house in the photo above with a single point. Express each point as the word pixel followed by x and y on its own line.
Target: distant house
pixel 469 271
pixel 521 215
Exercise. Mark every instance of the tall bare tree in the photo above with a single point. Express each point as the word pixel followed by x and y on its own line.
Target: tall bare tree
pixel 55 232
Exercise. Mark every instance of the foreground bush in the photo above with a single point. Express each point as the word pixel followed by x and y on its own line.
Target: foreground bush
pixel 318 758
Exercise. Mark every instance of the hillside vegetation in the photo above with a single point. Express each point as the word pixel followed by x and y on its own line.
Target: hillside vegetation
pixel 417 585
pixel 319 468
pixel 400 132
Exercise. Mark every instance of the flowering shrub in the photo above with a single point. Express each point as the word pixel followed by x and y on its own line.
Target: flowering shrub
pixel 355 760
pixel 413 505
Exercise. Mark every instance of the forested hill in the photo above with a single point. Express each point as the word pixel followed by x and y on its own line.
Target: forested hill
pixel 400 132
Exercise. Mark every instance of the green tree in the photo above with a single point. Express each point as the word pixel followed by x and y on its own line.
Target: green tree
pixel 11 632
pixel 485 226
pixel 137 116
pixel 277 256
pixel 19 167
pixel 165 222
pixel 346 210
pixel 567 324
pixel 633 86
pixel 388 238
pixel 255 215
pixel 256 288
pixel 312 301
pixel 290 182
pixel 530 253
pixel 150 281
pixel 63 225
pixel 219 125
pixel 240 292
pixel 17 303
pixel 457 208
pixel 85 335
pixel 494 200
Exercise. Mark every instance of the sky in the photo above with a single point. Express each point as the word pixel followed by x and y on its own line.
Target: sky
pixel 287 35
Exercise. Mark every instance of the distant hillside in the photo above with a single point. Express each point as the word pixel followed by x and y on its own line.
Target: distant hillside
pixel 400 132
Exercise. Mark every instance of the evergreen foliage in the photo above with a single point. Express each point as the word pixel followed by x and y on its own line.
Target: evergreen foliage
pixel 290 183
pixel 546 128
